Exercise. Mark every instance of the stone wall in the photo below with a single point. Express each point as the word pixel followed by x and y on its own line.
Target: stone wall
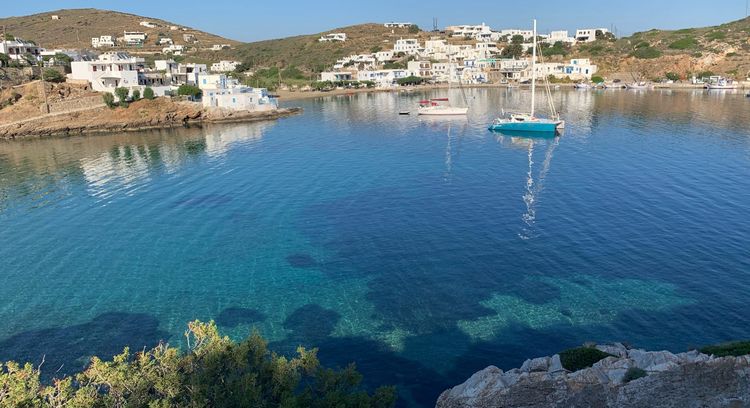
pixel 75 104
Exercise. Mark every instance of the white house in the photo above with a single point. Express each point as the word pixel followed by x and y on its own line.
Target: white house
pixel 18 49
pixel 383 78
pixel 224 66
pixel 55 17
pixel 189 38
pixel 336 76
pixel 164 41
pixel 148 24
pixel 579 68
pixel 219 91
pixel 103 41
pixel 420 69
pixel 333 37
pixel 560 36
pixel 189 73
pixel 134 37
pixel 219 47
pixel 384 56
pixel 407 46
pixel 397 25
pixel 510 33
pixel 589 34
pixel 111 70
pixel 176 49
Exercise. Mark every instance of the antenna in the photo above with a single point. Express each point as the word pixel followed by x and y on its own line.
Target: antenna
pixel 435 24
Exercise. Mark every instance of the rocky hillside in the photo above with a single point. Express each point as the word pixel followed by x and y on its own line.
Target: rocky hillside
pixel 620 378
pixel 76 27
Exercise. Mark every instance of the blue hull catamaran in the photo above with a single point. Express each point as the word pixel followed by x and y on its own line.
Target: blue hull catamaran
pixel 522 122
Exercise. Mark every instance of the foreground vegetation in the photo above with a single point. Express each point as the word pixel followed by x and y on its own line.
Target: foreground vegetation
pixel 213 372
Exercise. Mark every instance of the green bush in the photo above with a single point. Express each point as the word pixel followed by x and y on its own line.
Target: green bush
pixel 148 93
pixel 582 357
pixel 122 95
pixel 189 90
pixel 716 35
pixel 597 79
pixel 646 53
pixel 414 29
pixel 213 372
pixel 634 373
pixel 410 80
pixel 136 94
pixel 51 75
pixel 4 59
pixel 109 100
pixel 684 43
pixel 672 76
pixel 736 349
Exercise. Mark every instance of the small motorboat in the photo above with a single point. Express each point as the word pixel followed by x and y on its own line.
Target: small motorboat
pixel 582 85
pixel 639 85
pixel 404 113
pixel 722 84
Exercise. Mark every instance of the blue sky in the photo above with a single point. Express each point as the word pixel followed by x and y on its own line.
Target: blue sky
pixel 257 20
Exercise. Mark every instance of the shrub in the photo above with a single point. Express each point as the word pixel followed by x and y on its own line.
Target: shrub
pixel 213 372
pixel 189 90
pixel 109 100
pixel 51 75
pixel 4 59
pixel 136 94
pixel 716 35
pixel 672 76
pixel 684 43
pixel 122 95
pixel 582 357
pixel 736 349
pixel 647 53
pixel 642 44
pixel 597 79
pixel 410 80
pixel 413 29
pixel 148 93
pixel 634 373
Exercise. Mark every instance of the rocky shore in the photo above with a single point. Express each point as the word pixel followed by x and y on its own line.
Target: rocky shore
pixel 664 379
pixel 161 113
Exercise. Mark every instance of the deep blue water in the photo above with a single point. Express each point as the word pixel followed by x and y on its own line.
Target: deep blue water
pixel 423 250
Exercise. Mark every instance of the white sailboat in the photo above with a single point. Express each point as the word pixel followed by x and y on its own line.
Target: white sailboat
pixel 441 106
pixel 528 122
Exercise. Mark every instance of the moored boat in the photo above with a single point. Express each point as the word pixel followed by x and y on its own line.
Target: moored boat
pixel 434 107
pixel 722 84
pixel 639 85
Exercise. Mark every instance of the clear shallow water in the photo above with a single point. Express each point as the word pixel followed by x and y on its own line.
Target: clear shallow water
pixel 423 250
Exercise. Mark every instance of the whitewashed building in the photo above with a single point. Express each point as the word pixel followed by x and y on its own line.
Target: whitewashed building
pixel 336 76
pixel 111 70
pixel 420 69
pixel 383 78
pixel 148 24
pixel 510 33
pixel 134 38
pixel 407 46
pixel 18 49
pixel 103 41
pixel 225 66
pixel 397 25
pixel 176 49
pixel 164 41
pixel 219 47
pixel 220 91
pixel 333 37
pixel 560 36
pixel 589 34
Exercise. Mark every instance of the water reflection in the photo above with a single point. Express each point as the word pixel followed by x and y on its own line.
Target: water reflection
pixel 534 183
pixel 110 165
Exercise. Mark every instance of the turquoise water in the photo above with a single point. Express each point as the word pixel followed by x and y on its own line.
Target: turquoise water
pixel 424 250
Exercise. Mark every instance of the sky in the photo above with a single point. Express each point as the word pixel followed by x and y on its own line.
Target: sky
pixel 258 20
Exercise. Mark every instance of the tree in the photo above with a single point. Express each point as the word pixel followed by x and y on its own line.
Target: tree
pixel 4 60
pixel 109 100
pixel 189 90
pixel 122 96
pixel 414 29
pixel 410 80
pixel 213 371
pixel 517 39
pixel 672 76
pixel 136 94
pixel 512 51
pixel 148 93
pixel 53 75
pixel 63 59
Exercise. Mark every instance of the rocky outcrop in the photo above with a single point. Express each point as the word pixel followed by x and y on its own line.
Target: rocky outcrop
pixel 160 113
pixel 682 380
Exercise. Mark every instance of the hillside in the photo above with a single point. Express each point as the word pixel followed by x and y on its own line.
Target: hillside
pixel 305 52
pixel 76 27
pixel 722 49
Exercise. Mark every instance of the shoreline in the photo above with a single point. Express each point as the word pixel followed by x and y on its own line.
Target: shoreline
pixel 140 116
pixel 290 96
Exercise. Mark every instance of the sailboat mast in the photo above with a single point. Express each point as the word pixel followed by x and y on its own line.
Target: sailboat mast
pixel 533 74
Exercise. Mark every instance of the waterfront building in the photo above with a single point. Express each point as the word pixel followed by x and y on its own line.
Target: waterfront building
pixel 224 66
pixel 109 71
pixel 337 76
pixel 589 34
pixel 18 50
pixel 333 37
pixel 383 78
pixel 220 91
pixel 420 69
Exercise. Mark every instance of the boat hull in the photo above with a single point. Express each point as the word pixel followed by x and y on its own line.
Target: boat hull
pixel 721 87
pixel 443 112
pixel 535 127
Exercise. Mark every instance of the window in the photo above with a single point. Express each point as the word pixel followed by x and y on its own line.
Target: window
pixel 94 68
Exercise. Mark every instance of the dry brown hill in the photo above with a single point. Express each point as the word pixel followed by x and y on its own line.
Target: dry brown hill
pixel 76 27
